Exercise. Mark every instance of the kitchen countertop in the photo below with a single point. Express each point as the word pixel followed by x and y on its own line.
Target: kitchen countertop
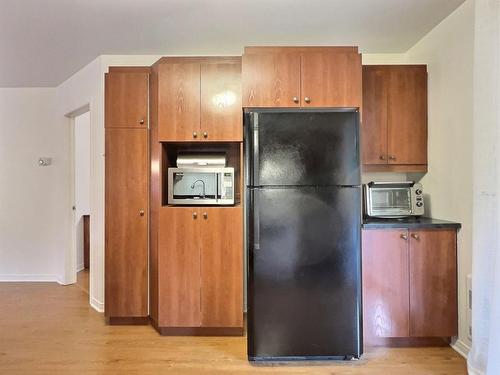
pixel 409 222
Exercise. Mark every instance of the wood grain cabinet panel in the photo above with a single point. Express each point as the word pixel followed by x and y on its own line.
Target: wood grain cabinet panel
pixel 179 267
pixel 331 79
pixel 407 116
pixel 126 100
pixel 433 283
pixel 221 114
pixel 222 267
pixel 126 217
pixel 394 123
pixel 385 283
pixel 374 123
pixel 179 102
pixel 271 79
pixel 409 283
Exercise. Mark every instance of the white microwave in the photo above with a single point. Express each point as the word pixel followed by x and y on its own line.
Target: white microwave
pixel 393 199
pixel 201 186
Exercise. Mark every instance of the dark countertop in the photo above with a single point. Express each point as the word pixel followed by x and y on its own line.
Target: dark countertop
pixel 409 222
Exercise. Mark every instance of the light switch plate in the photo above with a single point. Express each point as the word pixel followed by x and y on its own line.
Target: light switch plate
pixel 44 161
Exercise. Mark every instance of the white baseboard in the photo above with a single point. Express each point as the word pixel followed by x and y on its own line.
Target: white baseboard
pixel 21 278
pixel 461 348
pixel 97 305
pixel 473 371
pixel 80 267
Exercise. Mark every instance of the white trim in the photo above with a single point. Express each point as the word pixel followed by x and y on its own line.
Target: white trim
pixel 80 267
pixel 97 305
pixel 473 371
pixel 21 278
pixel 461 348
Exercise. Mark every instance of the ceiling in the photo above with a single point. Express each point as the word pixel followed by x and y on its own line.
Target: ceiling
pixel 44 43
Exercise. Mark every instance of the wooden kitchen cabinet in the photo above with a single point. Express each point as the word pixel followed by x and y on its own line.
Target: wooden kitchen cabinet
pixel 198 99
pixel 126 98
pixel 126 195
pixel 179 271
pixel 302 77
pixel 126 223
pixel 394 124
pixel 409 283
pixel 179 101
pixel 221 116
pixel 331 79
pixel 433 283
pixel 221 267
pixel 271 79
pixel 385 283
pixel 201 270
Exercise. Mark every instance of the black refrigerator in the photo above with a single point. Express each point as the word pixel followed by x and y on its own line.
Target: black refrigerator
pixel 303 227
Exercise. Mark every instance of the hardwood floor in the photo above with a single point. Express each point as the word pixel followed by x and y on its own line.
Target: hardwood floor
pixel 82 280
pixel 46 328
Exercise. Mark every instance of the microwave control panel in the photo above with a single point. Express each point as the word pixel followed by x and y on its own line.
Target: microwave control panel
pixel 227 185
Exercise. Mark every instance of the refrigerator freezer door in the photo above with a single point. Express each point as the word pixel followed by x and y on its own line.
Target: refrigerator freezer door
pixel 302 148
pixel 304 273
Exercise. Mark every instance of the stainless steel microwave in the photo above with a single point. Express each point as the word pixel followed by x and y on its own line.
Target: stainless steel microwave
pixel 393 199
pixel 201 180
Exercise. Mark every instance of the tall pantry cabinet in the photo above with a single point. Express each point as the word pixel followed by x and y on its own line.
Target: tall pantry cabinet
pixel 126 195
pixel 196 252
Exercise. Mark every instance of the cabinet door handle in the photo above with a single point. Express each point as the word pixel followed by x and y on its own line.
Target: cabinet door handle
pixel 205 135
pixel 404 237
pixel 195 134
pixel 141 212
pixel 141 121
pixel 382 157
pixel 392 157
pixel 415 236
pixel 195 215
pixel 307 99
pixel 295 99
pixel 205 215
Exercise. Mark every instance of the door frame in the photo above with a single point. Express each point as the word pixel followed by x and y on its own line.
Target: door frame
pixel 70 258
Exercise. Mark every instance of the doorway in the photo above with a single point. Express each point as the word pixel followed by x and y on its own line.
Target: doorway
pixel 81 205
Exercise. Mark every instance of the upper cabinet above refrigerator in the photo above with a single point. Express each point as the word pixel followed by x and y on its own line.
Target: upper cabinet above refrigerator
pixel 199 99
pixel 302 147
pixel 301 77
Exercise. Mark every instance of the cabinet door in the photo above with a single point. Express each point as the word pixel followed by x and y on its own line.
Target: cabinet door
pixel 221 114
pixel 331 79
pixel 222 267
pixel 179 102
pixel 179 267
pixel 126 222
pixel 407 116
pixel 385 283
pixel 271 79
pixel 433 283
pixel 374 122
pixel 126 100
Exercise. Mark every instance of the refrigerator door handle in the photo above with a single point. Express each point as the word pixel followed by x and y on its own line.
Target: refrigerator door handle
pixel 255 149
pixel 256 221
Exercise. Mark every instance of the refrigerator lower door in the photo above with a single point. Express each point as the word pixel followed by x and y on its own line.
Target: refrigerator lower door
pixel 304 285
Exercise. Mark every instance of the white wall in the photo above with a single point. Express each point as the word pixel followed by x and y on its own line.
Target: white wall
pixel 33 200
pixel 448 52
pixel 82 180
pixel 86 87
